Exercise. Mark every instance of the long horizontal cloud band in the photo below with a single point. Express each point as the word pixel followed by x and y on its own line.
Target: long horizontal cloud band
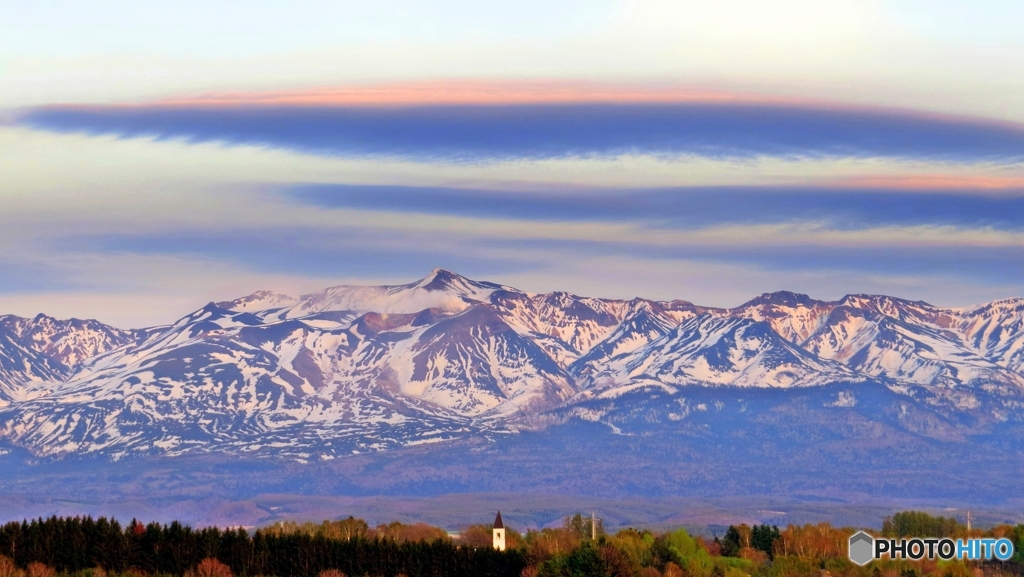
pixel 470 132
pixel 1001 265
pixel 683 207
pixel 305 251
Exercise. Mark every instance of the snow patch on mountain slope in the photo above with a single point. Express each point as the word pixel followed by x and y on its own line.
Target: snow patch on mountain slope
pixel 645 321
pixel 37 354
pixel 711 350
pixel 794 316
pixel 996 331
pixel 884 346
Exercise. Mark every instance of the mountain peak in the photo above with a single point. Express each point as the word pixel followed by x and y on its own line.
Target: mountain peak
pixel 259 300
pixel 781 298
pixel 898 308
pixel 1007 304
pixel 440 278
pixel 879 300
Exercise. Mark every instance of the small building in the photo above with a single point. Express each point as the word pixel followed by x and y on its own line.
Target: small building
pixel 499 533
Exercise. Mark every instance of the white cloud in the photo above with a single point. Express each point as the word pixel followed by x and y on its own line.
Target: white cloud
pixel 104 171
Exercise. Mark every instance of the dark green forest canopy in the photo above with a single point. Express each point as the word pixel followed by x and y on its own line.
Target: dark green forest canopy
pixel 76 544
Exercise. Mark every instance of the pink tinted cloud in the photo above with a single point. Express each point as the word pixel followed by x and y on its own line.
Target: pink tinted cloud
pixel 933 182
pixel 481 92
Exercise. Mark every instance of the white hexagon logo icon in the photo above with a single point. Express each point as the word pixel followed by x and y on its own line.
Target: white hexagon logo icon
pixel 861 548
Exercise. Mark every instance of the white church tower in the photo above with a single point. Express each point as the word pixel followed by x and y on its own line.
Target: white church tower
pixel 499 533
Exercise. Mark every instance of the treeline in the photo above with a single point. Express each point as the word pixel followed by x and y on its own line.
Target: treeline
pixel 86 547
pixel 920 524
pixel 357 528
pixel 81 544
pixel 813 550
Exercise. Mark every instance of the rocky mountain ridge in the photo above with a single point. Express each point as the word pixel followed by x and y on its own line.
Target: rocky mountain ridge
pixel 364 369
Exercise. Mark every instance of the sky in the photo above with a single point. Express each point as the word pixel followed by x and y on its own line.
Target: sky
pixel 154 158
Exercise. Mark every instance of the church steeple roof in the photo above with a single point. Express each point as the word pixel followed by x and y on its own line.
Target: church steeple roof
pixel 497 522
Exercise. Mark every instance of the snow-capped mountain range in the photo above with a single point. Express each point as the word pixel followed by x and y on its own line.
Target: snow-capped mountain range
pixel 353 369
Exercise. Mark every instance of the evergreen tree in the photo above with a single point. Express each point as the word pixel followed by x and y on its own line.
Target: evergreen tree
pixel 731 542
pixel 763 537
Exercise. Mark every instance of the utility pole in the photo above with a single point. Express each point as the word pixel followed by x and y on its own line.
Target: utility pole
pixel 593 526
pixel 968 523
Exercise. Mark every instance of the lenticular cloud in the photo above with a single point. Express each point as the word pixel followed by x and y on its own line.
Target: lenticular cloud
pixel 475 132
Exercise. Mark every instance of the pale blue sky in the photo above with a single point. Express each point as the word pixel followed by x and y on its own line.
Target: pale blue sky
pixel 824 147
pixel 938 55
